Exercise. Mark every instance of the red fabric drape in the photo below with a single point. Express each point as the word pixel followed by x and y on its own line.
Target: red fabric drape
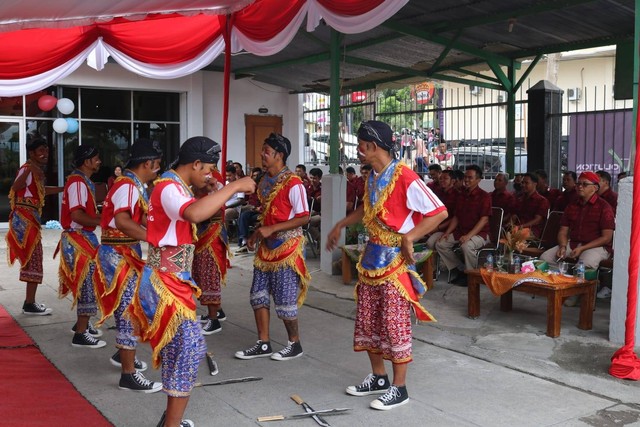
pixel 265 19
pixel 350 7
pixel 624 362
pixel 31 52
pixel 162 39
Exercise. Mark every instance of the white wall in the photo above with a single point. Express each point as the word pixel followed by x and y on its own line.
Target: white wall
pixel 246 97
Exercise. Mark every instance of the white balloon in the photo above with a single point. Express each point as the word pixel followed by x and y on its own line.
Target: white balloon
pixel 65 106
pixel 60 125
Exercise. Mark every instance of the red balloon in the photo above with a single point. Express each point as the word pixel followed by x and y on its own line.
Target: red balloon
pixel 47 102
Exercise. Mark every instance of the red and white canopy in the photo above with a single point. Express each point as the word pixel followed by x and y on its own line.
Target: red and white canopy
pixel 43 42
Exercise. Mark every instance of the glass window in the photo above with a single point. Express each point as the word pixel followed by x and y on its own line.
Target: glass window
pixel 106 104
pixel 11 106
pixel 152 106
pixel 72 94
pixel 168 135
pixel 32 108
pixel 9 163
pixel 111 139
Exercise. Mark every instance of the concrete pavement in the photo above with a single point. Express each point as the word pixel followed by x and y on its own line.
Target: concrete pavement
pixel 498 370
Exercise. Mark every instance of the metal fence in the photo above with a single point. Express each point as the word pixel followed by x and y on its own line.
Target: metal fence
pixel 596 128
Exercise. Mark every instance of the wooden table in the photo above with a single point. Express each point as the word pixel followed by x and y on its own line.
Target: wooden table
pixel 554 293
pixel 424 264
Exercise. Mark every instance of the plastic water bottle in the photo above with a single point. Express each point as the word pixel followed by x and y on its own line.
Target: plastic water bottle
pixel 488 265
pixel 580 270
pixel 360 242
pixel 517 264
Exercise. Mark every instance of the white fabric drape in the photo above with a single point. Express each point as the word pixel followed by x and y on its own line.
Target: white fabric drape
pixel 172 71
pixel 17 87
pixel 352 24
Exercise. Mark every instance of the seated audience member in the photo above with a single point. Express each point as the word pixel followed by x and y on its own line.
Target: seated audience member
pixel 551 194
pixel 531 209
pixel 458 180
pixel 517 184
pixel 357 183
pixel 249 213
pixel 314 193
pixel 239 170
pixel 448 197
pixel 233 205
pixel 586 228
pixel 469 227
pixel 434 174
pixel 569 195
pixel 301 171
pixel 605 190
pixel 621 175
pixel 501 197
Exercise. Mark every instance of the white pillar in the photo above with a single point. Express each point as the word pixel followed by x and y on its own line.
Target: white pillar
pixel 620 265
pixel 334 207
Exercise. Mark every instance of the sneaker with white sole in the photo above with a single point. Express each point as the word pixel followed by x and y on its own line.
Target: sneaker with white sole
pixel 137 382
pixel 35 309
pixel 187 423
pixel 221 317
pixel 372 384
pixel 604 293
pixel 291 351
pixel 211 327
pixel 85 340
pixel 138 364
pixel 95 332
pixel 260 349
pixel 394 397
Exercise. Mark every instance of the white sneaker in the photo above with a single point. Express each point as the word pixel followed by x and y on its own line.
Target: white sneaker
pixel 604 293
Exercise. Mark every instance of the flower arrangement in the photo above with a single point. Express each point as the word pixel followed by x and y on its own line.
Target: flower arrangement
pixel 516 239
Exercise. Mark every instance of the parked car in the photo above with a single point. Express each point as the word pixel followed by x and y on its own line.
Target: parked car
pixel 317 149
pixel 491 159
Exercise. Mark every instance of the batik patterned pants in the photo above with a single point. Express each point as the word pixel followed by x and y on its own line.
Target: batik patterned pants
pixel 283 284
pixel 180 359
pixel 383 322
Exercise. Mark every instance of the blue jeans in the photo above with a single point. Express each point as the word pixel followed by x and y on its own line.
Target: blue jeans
pixel 245 220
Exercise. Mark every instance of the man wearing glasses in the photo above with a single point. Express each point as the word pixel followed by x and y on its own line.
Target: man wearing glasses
pixel 586 227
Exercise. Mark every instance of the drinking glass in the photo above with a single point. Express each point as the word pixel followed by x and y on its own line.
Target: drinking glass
pixel 499 261
pixel 564 267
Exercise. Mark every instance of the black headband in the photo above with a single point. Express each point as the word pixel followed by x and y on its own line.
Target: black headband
pixel 376 132
pixel 279 143
pixel 84 152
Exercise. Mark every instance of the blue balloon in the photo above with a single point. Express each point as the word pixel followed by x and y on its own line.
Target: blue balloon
pixel 72 125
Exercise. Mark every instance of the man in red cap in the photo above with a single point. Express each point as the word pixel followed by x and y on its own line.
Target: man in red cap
pixel 586 227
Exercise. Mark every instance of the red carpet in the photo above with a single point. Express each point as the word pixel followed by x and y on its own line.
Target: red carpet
pixel 32 391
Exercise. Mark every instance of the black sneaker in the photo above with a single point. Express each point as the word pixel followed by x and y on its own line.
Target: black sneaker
pixel 221 316
pixel 372 384
pixel 35 309
pixel 187 423
pixel 138 364
pixel 261 349
pixel 291 351
pixel 87 341
pixel 137 382
pixel 93 331
pixel 395 396
pixel 211 327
